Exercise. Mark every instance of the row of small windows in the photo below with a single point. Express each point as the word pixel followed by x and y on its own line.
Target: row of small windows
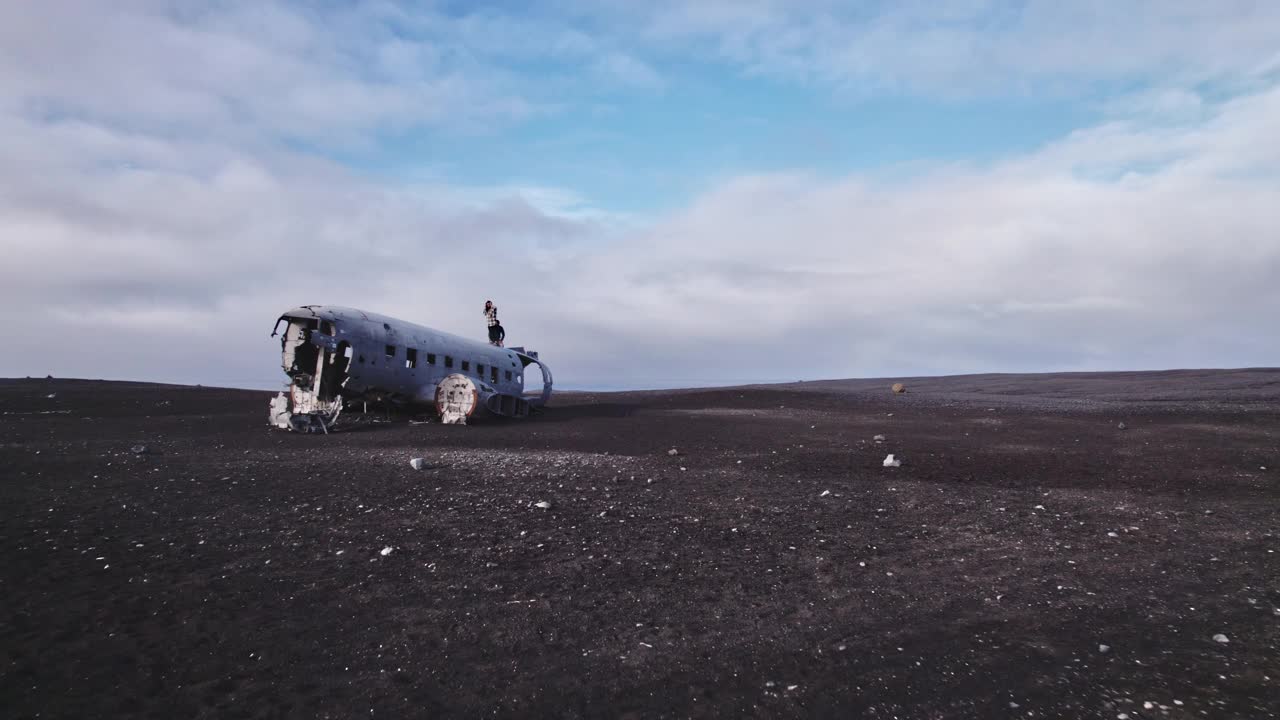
pixel 411 362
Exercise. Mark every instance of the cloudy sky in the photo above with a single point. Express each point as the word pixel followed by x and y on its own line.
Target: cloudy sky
pixel 655 193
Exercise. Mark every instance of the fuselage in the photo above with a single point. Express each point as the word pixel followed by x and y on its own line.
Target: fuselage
pixel 331 352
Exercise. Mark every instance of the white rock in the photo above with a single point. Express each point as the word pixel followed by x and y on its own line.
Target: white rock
pixel 673 452
pixel 1039 507
pixel 1111 534
pixel 889 461
pixel 1220 638
pixel 878 438
pixel 542 504
pixel 1104 648
pixel 825 493
pixel 418 463
pixel 384 551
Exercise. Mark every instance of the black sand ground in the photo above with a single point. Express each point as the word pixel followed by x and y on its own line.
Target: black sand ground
pixel 773 567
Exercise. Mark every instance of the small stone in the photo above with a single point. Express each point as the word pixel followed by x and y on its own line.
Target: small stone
pixel 418 463
pixel 673 452
pixel 385 551
pixel 1147 706
pixel 1112 534
pixel 1220 638
pixel 878 438
pixel 140 449
pixel 1104 649
pixel 890 461
pixel 543 504
pixel 825 493
pixel 1122 426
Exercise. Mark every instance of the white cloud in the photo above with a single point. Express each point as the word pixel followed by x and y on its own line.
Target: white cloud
pixel 982 46
pixel 625 70
pixel 1026 264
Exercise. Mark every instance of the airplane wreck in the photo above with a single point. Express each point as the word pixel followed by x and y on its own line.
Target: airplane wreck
pixel 335 355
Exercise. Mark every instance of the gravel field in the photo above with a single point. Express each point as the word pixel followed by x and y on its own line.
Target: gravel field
pixel 1052 546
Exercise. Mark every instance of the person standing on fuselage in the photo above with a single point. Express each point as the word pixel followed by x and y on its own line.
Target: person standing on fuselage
pixel 495 328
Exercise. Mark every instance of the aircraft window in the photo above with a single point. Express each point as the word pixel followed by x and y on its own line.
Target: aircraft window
pixel 391 351
pixel 326 327
pixel 431 358
pixel 466 365
pixel 361 358
pixel 448 361
pixel 508 376
pixel 480 369
pixel 411 358
pixel 493 374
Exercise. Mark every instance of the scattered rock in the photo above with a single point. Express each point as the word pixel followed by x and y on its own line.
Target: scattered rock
pixel 543 504
pixel 385 551
pixel 673 452
pixel 890 461
pixel 825 493
pixel 1104 649
pixel 140 449
pixel 1112 534
pixel 51 395
pixel 1220 638
pixel 418 463
pixel 899 388
pixel 1122 426
pixel 878 438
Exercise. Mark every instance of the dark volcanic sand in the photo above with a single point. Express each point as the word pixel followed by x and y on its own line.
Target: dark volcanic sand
pixel 234 570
